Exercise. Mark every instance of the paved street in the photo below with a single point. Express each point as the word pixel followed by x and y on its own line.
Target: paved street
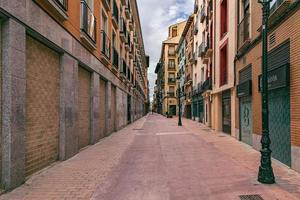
pixel 154 159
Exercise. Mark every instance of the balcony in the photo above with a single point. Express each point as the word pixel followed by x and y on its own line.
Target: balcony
pixel 123 69
pixel 87 25
pixel 278 8
pixel 115 59
pixel 130 23
pixel 202 14
pixel 131 51
pixel 127 42
pixel 123 2
pixel 194 58
pixel 127 10
pixel 123 30
pixel 105 46
pixel 209 50
pixel 171 66
pixel 106 4
pixel 210 9
pixel 196 7
pixel 115 14
pixel 59 7
pixel 243 32
pixel 196 30
pixel 207 85
pixel 202 49
pixel 171 80
pixel 188 80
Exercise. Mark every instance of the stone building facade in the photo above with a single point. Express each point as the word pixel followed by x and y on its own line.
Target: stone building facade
pixel 72 73
pixel 169 64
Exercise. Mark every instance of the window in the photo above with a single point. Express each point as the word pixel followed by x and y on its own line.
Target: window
pixel 171 64
pixel 174 31
pixel 104 25
pixel 171 50
pixel 224 66
pixel 171 75
pixel 224 17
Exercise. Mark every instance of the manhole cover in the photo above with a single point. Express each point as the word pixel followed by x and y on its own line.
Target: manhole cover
pixel 138 129
pixel 251 197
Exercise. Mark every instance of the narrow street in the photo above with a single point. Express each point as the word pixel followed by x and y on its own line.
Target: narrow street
pixel 154 159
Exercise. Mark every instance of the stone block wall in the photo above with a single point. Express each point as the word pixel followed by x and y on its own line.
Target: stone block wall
pixel 53 103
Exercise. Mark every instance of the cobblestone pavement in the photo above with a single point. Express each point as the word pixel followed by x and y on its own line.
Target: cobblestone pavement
pixel 154 159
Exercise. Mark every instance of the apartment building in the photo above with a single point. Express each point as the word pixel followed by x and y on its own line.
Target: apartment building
pixel 181 54
pixel 223 93
pixel 169 65
pixel 283 78
pixel 73 72
pixel 203 63
pixel 159 88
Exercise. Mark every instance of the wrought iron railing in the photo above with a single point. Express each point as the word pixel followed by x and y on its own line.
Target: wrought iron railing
pixel 88 21
pixel 202 14
pixel 171 80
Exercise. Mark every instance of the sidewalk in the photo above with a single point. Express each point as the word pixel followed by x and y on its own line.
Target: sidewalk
pixel 243 155
pixel 154 159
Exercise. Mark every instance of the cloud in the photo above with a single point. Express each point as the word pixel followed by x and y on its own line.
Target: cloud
pixel 156 16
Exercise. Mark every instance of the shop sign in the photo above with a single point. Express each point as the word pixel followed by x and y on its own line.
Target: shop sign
pixel 277 78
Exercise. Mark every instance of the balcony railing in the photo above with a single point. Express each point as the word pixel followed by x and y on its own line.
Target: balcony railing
pixel 207 85
pixel 115 59
pixel 88 21
pixel 243 31
pixel 127 10
pixel 202 14
pixel 196 30
pixel 171 94
pixel 171 80
pixel 202 49
pixel 196 7
pixel 171 66
pixel 105 47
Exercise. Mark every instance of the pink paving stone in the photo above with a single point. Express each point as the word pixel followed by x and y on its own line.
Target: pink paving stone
pixel 154 159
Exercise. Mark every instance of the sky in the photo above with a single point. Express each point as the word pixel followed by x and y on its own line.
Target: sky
pixel 156 16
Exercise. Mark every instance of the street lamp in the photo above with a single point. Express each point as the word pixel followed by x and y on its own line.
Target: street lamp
pixel 168 116
pixel 179 98
pixel 265 174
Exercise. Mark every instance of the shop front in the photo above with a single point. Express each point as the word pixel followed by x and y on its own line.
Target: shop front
pixel 226 111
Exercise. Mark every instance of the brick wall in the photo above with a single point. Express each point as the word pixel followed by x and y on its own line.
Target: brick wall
pixel 42 106
pixel 286 30
pixel 290 30
pixel 84 78
pixel 102 107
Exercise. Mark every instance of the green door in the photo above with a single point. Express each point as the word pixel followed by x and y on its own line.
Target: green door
pixel 172 110
pixel 246 120
pixel 279 109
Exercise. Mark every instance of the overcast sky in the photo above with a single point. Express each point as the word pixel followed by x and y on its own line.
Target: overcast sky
pixel 156 16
